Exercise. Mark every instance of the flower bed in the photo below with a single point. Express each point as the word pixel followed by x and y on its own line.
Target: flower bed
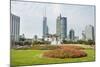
pixel 65 52
pixel 45 47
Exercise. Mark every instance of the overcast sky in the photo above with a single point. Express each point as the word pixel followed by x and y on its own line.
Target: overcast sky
pixel 31 17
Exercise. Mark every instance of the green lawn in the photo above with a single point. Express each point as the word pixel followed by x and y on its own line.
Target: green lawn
pixel 34 57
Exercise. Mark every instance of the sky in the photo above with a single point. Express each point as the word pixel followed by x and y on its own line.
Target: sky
pixel 31 17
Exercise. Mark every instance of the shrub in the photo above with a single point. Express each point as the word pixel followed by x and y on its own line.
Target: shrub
pixel 45 47
pixel 67 52
pixel 21 43
pixel 71 47
pixel 40 42
pixel 27 43
pixel 23 47
pixel 89 42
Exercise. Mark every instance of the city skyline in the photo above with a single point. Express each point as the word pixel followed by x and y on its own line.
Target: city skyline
pixel 31 20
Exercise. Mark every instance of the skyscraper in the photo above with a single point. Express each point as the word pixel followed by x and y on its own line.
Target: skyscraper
pixel 35 37
pixel 89 32
pixel 58 26
pixel 83 35
pixel 14 28
pixel 45 26
pixel 71 34
pixel 61 27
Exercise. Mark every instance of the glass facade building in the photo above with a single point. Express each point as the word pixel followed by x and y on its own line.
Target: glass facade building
pixel 71 35
pixel 45 27
pixel 61 27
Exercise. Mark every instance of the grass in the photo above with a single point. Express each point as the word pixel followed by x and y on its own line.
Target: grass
pixel 34 57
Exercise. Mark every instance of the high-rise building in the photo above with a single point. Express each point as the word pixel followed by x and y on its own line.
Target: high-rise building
pixel 58 26
pixel 71 34
pixel 45 26
pixel 89 32
pixel 83 35
pixel 35 37
pixel 61 27
pixel 14 27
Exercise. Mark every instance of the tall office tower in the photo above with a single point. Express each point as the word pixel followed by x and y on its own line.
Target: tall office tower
pixel 45 26
pixel 58 26
pixel 47 30
pixel 83 35
pixel 61 27
pixel 14 28
pixel 71 34
pixel 35 37
pixel 89 32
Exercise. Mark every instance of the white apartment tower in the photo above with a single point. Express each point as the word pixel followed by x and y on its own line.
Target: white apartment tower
pixel 89 32
pixel 14 28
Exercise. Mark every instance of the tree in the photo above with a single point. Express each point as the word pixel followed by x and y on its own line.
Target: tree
pixel 21 43
pixel 27 43
pixel 22 39
pixel 91 42
pixel 16 43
